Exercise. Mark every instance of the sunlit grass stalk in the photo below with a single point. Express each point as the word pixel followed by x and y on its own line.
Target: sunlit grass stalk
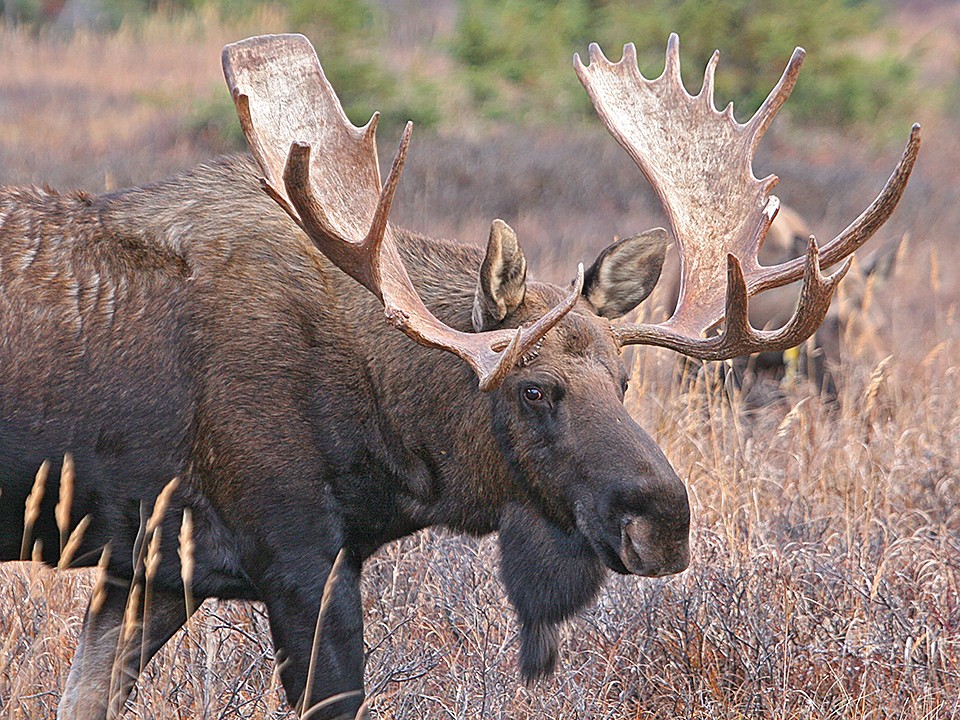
pixel 65 503
pixel 100 588
pixel 329 587
pixel 161 504
pixel 32 509
pixel 187 551
pixel 130 630
pixel 152 564
pixel 73 543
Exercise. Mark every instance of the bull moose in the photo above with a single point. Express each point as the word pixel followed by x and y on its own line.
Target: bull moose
pixel 226 327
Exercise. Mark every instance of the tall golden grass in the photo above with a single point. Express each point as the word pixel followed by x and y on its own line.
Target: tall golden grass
pixel 825 578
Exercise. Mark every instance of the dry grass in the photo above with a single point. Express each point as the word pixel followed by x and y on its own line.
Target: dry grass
pixel 825 579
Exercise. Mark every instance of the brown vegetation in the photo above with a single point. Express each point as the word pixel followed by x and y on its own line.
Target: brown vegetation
pixel 825 578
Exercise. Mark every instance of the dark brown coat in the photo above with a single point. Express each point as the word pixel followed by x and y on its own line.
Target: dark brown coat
pixel 190 329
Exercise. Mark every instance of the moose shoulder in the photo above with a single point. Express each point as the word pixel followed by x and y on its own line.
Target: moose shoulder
pixel 202 329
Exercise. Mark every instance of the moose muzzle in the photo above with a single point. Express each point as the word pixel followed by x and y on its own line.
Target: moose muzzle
pixel 651 550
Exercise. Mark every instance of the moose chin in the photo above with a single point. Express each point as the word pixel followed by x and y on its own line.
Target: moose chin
pixel 227 328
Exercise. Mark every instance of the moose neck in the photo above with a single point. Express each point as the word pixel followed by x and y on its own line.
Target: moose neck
pixel 437 424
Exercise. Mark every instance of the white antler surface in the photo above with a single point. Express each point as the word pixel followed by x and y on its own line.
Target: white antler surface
pixel 699 161
pixel 323 171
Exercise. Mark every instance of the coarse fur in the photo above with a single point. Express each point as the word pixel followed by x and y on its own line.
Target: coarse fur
pixel 189 329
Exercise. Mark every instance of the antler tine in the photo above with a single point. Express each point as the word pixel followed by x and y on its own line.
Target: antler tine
pixel 858 232
pixel 706 91
pixel 359 260
pixel 287 107
pixel 347 254
pixel 700 163
pixel 764 115
pixel 815 296
pixel 671 65
pixel 739 337
pixel 378 227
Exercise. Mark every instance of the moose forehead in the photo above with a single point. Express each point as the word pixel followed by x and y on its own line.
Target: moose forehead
pixel 580 337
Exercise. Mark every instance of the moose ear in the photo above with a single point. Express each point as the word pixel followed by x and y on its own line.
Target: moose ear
pixel 503 278
pixel 625 273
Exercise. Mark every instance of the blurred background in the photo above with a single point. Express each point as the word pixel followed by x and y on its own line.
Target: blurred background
pixel 826 571
pixel 102 94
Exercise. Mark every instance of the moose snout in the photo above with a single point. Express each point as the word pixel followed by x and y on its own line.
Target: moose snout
pixel 653 527
pixel 650 551
pixel 634 510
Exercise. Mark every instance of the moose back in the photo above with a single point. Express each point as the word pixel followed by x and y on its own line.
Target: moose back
pixel 229 332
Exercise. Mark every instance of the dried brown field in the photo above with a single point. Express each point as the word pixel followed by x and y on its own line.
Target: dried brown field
pixel 825 579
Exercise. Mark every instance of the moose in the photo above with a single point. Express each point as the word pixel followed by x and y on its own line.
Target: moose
pixel 226 328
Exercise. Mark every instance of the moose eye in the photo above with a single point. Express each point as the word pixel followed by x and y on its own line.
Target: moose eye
pixel 532 394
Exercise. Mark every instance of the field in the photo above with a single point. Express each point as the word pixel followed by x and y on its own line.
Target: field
pixel 825 576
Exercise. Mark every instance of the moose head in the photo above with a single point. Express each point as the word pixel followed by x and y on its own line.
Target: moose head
pixel 548 357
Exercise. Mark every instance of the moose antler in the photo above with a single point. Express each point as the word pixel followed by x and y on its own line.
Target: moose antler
pixel 288 109
pixel 699 162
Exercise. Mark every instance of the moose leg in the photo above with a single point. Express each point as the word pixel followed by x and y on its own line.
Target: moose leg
pixel 111 653
pixel 335 644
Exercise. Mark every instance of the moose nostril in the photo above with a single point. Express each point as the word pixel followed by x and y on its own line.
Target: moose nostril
pixel 654 546
pixel 635 544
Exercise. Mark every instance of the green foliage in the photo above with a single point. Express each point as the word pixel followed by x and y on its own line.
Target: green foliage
pixel 517 54
pixel 214 119
pixel 30 12
pixel 512 58
pixel 115 12
pixel 348 35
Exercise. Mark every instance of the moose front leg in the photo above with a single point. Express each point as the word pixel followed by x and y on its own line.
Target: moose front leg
pixel 320 657
pixel 115 644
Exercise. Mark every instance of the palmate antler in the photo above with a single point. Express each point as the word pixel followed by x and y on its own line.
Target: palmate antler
pixel 286 108
pixel 699 162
